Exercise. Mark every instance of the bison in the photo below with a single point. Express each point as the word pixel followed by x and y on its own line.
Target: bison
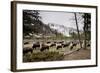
pixel 58 45
pixel 36 45
pixel 50 44
pixel 44 47
pixel 73 45
pixel 27 49
pixel 26 42
pixel 66 44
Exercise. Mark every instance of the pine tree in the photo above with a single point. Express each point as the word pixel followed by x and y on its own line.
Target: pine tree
pixel 87 28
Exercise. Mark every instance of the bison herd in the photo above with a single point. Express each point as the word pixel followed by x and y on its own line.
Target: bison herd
pixel 47 45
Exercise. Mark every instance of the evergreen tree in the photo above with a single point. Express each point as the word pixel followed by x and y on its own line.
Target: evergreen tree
pixel 30 18
pixel 87 28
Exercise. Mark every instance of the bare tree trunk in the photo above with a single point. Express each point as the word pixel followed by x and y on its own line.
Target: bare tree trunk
pixel 85 40
pixel 78 30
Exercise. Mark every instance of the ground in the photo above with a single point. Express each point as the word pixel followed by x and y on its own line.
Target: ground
pixel 78 55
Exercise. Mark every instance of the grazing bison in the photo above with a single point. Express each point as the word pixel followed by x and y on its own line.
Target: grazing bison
pixel 58 46
pixel 44 47
pixel 60 42
pixel 26 42
pixel 53 44
pixel 27 49
pixel 50 44
pixel 88 45
pixel 66 44
pixel 73 45
pixel 36 45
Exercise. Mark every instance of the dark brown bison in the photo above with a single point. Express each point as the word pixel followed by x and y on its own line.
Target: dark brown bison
pixel 26 42
pixel 36 45
pixel 88 45
pixel 50 44
pixel 27 49
pixel 73 45
pixel 60 42
pixel 66 44
pixel 53 44
pixel 44 47
pixel 58 45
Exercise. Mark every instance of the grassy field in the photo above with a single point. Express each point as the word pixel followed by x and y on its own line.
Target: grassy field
pixel 42 56
pixel 55 55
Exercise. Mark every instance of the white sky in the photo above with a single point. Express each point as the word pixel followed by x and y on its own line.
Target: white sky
pixel 61 18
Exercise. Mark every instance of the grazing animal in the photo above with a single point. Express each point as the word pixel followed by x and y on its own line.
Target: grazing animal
pixel 26 42
pixel 58 46
pixel 48 42
pixel 53 44
pixel 36 45
pixel 73 45
pixel 88 45
pixel 44 47
pixel 61 42
pixel 65 44
pixel 27 49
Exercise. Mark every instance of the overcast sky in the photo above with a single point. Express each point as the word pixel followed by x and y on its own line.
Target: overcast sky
pixel 61 18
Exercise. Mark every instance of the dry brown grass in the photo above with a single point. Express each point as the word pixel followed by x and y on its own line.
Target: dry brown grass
pixel 79 55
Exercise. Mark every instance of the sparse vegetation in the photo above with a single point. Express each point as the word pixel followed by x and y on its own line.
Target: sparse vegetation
pixel 42 56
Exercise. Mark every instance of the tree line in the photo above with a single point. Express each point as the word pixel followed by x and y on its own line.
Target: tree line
pixel 32 17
